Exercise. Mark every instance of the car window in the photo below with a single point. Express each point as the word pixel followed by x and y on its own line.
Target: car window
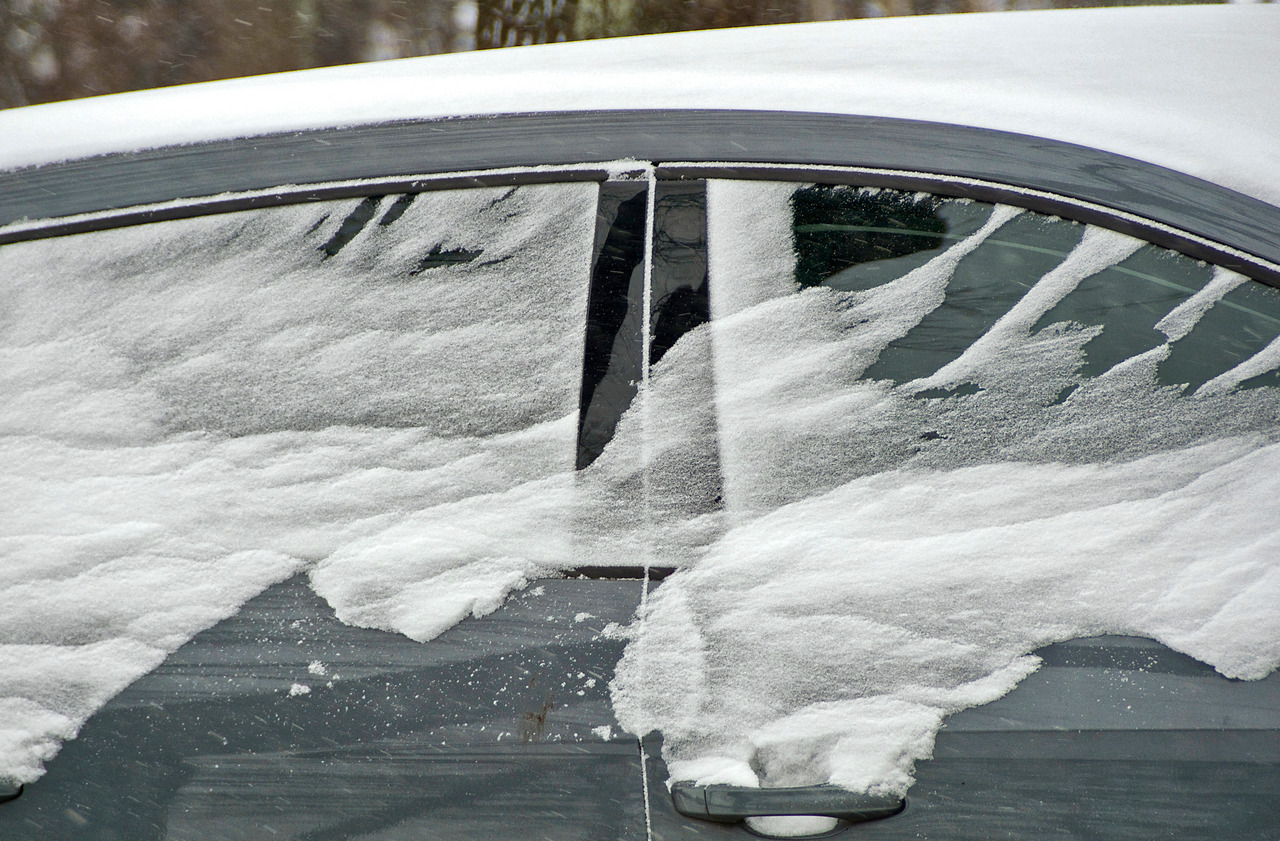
pixel 950 433
pixel 984 332
pixel 893 442
pixel 379 393
pixel 854 240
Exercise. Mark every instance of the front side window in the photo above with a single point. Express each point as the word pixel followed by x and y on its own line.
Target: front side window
pixel 379 392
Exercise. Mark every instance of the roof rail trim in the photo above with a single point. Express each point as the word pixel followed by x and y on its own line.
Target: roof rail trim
pixel 415 149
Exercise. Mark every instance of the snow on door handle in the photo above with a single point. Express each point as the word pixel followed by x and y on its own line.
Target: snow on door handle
pixel 730 804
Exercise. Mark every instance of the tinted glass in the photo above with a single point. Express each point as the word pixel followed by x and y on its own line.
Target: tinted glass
pixel 380 394
pixel 952 434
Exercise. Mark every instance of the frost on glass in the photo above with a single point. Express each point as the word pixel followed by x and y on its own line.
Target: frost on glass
pixel 952 433
pixel 382 392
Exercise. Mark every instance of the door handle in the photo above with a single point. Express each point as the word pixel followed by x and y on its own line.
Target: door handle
pixel 730 804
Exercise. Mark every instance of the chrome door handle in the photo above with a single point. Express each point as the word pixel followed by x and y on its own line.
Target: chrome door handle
pixel 730 804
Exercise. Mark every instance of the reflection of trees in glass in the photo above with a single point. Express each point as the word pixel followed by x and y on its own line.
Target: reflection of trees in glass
pixel 839 227
pixel 62 49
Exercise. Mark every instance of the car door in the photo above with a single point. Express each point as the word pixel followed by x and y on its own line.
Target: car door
pixel 946 426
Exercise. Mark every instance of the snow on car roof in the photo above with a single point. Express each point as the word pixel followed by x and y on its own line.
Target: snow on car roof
pixel 1188 88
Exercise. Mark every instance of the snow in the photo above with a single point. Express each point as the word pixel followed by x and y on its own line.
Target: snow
pixel 871 580
pixel 1182 318
pixel 1183 87
pixel 1099 249
pixel 784 826
pixel 195 410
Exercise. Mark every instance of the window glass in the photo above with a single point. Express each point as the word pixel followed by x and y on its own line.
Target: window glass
pixel 952 433
pixel 380 392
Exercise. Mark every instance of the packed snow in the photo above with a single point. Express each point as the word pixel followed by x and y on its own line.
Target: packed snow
pixel 895 550
pixel 380 392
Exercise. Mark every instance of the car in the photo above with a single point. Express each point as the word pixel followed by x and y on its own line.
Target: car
pixel 863 426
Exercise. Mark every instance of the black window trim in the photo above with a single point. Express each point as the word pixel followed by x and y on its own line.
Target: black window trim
pixel 1041 201
pixel 1038 201
pixel 410 149
pixel 232 202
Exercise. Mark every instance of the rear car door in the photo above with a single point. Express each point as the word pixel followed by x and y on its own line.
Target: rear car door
pixel 968 449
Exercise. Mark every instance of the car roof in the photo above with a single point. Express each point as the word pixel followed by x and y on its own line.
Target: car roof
pixel 1188 88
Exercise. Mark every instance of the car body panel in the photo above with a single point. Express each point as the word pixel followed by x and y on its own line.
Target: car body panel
pixel 1176 86
pixel 283 718
pixel 994 166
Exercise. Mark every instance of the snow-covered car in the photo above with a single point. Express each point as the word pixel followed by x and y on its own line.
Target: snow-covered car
pixel 762 430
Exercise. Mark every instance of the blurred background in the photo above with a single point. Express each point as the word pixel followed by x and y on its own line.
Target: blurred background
pixel 63 49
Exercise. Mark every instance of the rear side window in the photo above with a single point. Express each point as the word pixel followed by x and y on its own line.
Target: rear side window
pixel 950 433
pixel 977 333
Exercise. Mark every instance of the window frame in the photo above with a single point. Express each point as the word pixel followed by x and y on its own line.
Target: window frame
pixel 1168 208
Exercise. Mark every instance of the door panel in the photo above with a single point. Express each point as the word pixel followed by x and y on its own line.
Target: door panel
pixel 282 720
pixel 951 434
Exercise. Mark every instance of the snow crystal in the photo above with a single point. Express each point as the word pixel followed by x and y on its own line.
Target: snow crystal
pixel 380 391
pixel 299 689
pixel 896 549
